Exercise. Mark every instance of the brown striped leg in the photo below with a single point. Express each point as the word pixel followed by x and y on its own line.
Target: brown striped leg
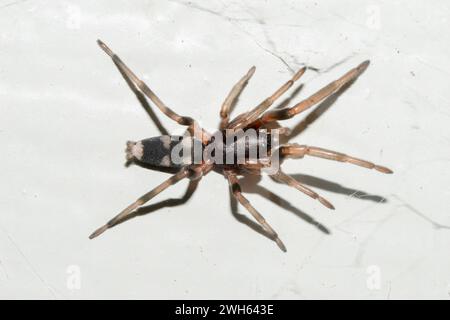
pixel 234 93
pixel 186 121
pixel 282 177
pixel 252 115
pixel 183 173
pixel 237 193
pixel 298 151
pixel 320 95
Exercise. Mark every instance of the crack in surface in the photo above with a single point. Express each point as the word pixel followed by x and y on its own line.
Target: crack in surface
pixel 412 209
pixel 273 51
pixel 12 4
pixel 30 265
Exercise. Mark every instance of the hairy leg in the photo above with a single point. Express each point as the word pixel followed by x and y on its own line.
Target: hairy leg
pixel 252 115
pixel 298 151
pixel 237 193
pixel 194 129
pixel 234 93
pixel 282 177
pixel 183 173
pixel 320 95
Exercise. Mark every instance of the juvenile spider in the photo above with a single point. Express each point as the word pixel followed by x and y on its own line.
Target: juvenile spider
pixel 227 150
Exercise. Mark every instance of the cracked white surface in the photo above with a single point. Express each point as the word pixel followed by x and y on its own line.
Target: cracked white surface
pixel 66 113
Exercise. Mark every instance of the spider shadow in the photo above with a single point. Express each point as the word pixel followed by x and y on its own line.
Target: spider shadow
pixel 144 103
pixel 147 166
pixel 250 184
pixel 315 114
pixel 318 111
pixel 334 187
pixel 283 104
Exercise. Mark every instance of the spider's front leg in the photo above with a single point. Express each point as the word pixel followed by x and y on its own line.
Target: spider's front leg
pixel 312 100
pixel 237 193
pixel 298 151
pixel 234 93
pixel 244 119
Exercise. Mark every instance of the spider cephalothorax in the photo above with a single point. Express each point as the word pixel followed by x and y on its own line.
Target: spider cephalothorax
pixel 240 146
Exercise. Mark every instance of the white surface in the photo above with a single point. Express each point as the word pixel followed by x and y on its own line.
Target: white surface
pixel 66 113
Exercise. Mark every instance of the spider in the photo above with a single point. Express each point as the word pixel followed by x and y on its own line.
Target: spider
pixel 157 151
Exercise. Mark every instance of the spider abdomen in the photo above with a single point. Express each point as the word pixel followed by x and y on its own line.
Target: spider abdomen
pixel 156 151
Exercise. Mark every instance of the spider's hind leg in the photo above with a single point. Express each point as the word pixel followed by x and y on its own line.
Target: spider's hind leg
pixel 183 173
pixel 139 84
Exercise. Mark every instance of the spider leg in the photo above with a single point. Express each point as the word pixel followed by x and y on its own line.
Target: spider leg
pixel 183 173
pixel 320 95
pixel 234 93
pixel 182 120
pixel 282 177
pixel 253 114
pixel 298 151
pixel 237 193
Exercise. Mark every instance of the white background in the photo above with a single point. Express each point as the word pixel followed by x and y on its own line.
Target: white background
pixel 66 113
